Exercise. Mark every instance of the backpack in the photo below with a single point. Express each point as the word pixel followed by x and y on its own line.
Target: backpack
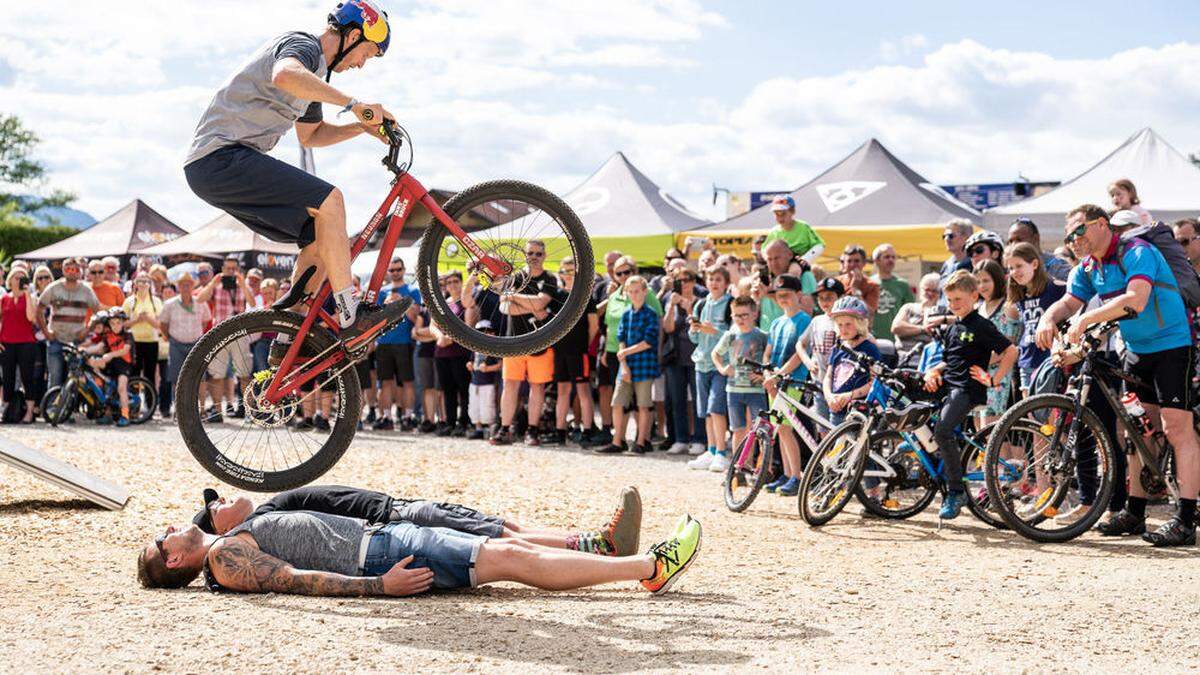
pixel 1160 236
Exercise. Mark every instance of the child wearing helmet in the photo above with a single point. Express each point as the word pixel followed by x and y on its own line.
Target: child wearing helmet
pixel 844 381
pixel 112 350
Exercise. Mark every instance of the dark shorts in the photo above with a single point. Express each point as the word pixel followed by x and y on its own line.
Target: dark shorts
pixel 571 366
pixel 427 372
pixel 364 368
pixel 450 555
pixel 394 363
pixel 451 516
pixel 606 375
pixel 270 196
pixel 1165 374
pixel 117 368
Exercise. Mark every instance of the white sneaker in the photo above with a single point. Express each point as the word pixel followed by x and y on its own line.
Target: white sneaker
pixel 719 464
pixel 677 448
pixel 1072 515
pixel 697 449
pixel 701 462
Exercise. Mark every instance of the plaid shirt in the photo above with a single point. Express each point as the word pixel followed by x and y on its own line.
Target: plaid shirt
pixel 640 325
pixel 226 303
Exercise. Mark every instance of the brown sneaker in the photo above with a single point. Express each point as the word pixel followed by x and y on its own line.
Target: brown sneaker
pixel 625 528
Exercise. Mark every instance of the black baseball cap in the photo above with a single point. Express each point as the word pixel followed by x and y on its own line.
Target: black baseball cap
pixel 831 284
pixel 203 517
pixel 787 282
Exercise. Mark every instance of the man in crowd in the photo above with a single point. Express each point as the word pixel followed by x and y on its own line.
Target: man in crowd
pixel 107 292
pixel 1025 230
pixel 182 320
pixel 394 355
pixel 70 302
pixel 1136 279
pixel 1187 233
pixel 254 279
pixel 572 369
pixel 955 235
pixel 112 269
pixel 229 294
pixel 797 234
pixel 779 258
pixel 894 291
pixel 909 327
pixel 854 259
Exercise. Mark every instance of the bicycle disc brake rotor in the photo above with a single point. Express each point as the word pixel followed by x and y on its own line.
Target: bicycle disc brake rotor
pixel 261 412
pixel 511 253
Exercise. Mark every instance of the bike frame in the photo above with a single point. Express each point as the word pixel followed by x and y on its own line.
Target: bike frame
pixel 396 208
pixel 784 407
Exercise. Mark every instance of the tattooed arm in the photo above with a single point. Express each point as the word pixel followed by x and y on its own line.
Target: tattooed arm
pixel 239 565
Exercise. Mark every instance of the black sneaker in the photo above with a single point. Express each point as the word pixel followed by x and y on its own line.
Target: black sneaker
pixel 383 424
pixel 320 423
pixel 665 445
pixel 475 435
pixel 460 431
pixel 371 322
pixel 305 424
pixel 425 426
pixel 531 436
pixel 371 416
pixel 501 437
pixel 642 449
pixel 556 437
pixel 1120 524
pixel 1172 533
pixel 596 437
pixel 443 429
pixel 610 449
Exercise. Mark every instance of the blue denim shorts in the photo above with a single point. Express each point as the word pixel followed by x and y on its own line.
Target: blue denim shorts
pixel 449 554
pixel 739 402
pixel 710 394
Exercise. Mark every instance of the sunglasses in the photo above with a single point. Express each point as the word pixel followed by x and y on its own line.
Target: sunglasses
pixel 46 278
pixel 622 273
pixel 978 250
pixel 950 235
pixel 1078 232
pixel 158 543
pixel 1185 241
pixel 535 254
pixel 95 272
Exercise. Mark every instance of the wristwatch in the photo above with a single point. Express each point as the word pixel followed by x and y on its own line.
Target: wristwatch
pixel 349 106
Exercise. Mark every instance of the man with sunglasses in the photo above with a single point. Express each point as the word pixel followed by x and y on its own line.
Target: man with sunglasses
pixel 1025 230
pixel 1187 233
pixel 955 235
pixel 70 302
pixel 394 355
pixel 1139 290
pixel 108 293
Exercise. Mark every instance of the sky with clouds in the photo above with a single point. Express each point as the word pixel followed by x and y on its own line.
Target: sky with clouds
pixel 747 95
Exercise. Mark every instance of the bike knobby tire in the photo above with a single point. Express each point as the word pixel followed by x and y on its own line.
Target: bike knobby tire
pixel 838 468
pixel 196 435
pixel 58 403
pixel 762 455
pixel 567 315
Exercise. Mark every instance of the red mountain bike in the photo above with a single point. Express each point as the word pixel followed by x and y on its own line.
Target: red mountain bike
pixel 259 450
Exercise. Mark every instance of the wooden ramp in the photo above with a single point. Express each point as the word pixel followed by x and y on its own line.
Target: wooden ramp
pixel 109 495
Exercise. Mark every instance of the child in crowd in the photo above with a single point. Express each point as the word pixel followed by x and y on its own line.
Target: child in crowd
pixel 484 369
pixel 709 321
pixel 1031 291
pixel 969 346
pixel 784 335
pixel 740 347
pixel 844 381
pixel 637 354
pixel 819 339
pixel 1125 198
pixel 112 350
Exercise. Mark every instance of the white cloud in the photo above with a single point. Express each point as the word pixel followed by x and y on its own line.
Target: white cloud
pixel 890 50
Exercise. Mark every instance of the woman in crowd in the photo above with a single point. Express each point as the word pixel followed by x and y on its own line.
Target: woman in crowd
pixel 42 277
pixel 450 359
pixel 143 308
pixel 18 313
pixel 687 430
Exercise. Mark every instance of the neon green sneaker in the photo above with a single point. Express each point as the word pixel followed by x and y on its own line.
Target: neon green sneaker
pixel 681 523
pixel 672 558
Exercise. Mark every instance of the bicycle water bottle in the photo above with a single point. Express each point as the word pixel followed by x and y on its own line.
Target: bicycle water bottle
pixel 1133 406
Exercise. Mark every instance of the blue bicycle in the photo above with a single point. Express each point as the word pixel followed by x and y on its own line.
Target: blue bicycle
pixel 885 456
pixel 95 394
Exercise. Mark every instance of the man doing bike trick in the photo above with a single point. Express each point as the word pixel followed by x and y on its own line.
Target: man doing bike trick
pixel 283 86
pixel 1139 290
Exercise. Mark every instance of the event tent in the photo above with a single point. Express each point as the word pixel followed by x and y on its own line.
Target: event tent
pixel 224 235
pixel 134 228
pixel 621 209
pixel 868 198
pixel 1168 185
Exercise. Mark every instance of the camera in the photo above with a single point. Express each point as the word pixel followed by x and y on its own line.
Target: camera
pixel 677 285
pixel 228 283
pixel 22 282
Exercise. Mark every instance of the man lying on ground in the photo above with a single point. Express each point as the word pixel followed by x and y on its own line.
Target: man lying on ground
pixel 618 537
pixel 314 553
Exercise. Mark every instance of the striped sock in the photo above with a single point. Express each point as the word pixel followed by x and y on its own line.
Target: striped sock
pixel 593 541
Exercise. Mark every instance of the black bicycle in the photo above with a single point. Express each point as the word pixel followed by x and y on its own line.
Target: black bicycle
pixel 1070 457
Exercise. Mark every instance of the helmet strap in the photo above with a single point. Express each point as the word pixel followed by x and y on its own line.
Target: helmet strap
pixel 343 51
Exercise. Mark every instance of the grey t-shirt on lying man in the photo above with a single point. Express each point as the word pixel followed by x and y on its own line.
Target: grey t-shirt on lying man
pixel 309 540
pixel 249 109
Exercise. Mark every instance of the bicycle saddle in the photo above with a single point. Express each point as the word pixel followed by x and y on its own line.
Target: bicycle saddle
pixel 911 416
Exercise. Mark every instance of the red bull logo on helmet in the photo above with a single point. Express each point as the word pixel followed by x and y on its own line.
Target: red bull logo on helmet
pixel 374 27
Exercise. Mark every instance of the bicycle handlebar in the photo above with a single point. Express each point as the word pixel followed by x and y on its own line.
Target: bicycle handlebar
pixel 395 135
pixel 766 369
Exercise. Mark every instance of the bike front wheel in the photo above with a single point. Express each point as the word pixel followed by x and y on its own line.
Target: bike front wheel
pixel 143 397
pixel 903 494
pixel 1047 491
pixel 265 450
pixel 527 215
pixel 833 471
pixel 58 404
pixel 749 468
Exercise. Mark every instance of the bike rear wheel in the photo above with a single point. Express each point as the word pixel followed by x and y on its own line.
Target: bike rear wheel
pixel 262 452
pixel 536 215
pixel 898 497
pixel 833 472
pixel 58 404
pixel 143 397
pixel 1079 470
pixel 749 468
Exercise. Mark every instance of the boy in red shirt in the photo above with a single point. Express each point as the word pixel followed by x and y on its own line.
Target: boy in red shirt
pixel 113 347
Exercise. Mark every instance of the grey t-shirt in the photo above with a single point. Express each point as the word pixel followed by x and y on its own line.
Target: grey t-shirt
pixel 308 540
pixel 250 110
pixel 69 309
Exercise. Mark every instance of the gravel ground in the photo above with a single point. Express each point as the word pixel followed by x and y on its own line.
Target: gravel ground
pixel 766 593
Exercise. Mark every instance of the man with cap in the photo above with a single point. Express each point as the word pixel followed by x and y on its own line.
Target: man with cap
pixel 819 339
pixel 797 234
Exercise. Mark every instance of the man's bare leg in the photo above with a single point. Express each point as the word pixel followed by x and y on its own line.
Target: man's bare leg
pixel 553 569
pixel 386 389
pixel 332 243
